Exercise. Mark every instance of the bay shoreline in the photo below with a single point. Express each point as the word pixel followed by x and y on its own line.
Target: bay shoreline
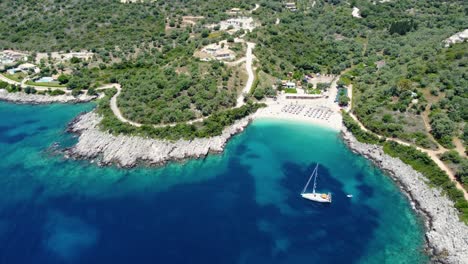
pixel 445 236
pixel 24 98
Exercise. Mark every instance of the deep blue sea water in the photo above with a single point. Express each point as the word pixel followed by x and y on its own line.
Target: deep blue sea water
pixel 242 206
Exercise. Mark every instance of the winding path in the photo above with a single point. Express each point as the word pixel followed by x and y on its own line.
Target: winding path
pixel 240 100
pixel 249 68
pixel 433 154
pixel 118 113
pixel 255 8
pixel 116 110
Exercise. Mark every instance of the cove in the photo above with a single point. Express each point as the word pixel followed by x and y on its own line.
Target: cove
pixel 242 206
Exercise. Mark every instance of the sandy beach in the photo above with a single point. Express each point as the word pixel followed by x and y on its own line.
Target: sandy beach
pixel 275 112
pixel 321 111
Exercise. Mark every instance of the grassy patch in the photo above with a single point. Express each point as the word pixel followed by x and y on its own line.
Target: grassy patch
pixel 17 77
pixel 345 79
pixel 216 34
pixel 290 90
pixel 49 84
pixel 255 82
pixel 313 91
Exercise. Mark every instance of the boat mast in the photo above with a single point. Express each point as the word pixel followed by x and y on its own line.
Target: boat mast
pixel 315 178
pixel 310 178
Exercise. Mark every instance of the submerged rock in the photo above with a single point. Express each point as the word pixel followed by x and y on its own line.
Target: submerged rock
pixel 128 151
pixel 446 235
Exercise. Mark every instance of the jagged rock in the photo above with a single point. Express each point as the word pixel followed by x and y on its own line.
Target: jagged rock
pixel 459 37
pixel 25 98
pixel 446 235
pixel 128 151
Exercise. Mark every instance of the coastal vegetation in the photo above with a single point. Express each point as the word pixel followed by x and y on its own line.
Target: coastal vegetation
pixel 155 95
pixel 418 160
pixel 422 163
pixel 361 135
pixel 211 126
pixel 458 164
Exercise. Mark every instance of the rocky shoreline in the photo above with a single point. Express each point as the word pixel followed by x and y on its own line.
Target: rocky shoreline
pixel 446 236
pixel 24 98
pixel 128 151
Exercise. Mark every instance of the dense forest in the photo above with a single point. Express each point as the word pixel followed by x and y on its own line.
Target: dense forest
pixel 406 84
pixel 155 95
pixel 72 25
pixel 309 42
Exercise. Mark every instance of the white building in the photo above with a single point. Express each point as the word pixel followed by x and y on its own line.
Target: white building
pixel 291 6
pixel 245 23
pixel 219 52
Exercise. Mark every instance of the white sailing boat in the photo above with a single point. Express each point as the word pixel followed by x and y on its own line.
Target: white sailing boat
pixel 313 196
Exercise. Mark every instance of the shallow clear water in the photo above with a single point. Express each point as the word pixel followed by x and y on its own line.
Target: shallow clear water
pixel 239 207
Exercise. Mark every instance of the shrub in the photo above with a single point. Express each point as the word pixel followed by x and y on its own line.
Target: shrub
pixel 30 90
pixel 361 135
pixel 3 85
pixel 56 92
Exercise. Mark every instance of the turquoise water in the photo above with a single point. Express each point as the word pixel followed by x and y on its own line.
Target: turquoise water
pixel 242 206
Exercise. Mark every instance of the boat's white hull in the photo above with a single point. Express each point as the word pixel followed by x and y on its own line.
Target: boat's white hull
pixel 318 197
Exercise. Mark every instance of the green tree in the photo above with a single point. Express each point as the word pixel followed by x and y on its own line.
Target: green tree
pixel 442 128
pixel 75 60
pixel 30 90
pixel 3 85
pixel 343 100
pixel 63 79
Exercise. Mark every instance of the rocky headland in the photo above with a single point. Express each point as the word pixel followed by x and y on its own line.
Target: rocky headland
pixel 128 151
pixel 446 235
pixel 24 98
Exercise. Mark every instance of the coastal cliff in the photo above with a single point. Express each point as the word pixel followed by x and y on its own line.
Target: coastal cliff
pixel 23 98
pixel 446 236
pixel 128 151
